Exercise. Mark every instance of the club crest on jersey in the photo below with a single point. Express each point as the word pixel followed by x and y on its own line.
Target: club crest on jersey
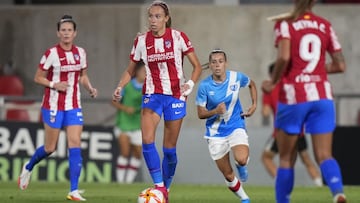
pixel 168 44
pixel 77 57
pixel 233 87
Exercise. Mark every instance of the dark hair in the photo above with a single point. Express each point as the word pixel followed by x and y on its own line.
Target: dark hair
pixel 271 68
pixel 138 66
pixel 166 9
pixel 216 51
pixel 66 18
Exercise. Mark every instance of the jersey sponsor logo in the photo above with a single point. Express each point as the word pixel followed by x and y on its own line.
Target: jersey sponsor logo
pixel 149 47
pixel 63 58
pixel 177 105
pixel 157 57
pixel 307 78
pixel 70 68
pixel 211 93
pixel 177 112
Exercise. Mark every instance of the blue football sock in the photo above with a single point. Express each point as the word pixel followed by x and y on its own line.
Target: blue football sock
pixel 169 165
pixel 39 155
pixel 152 161
pixel 284 184
pixel 75 164
pixel 331 172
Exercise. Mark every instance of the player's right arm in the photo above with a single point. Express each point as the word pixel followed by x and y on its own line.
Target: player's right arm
pixel 124 79
pixel 40 78
pixel 201 103
pixel 42 72
pixel 135 56
pixel 204 113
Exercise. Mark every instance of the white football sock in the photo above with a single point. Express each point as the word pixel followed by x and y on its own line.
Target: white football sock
pixel 132 169
pixel 318 181
pixel 236 187
pixel 122 165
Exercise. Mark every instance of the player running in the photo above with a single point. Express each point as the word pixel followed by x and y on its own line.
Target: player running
pixel 269 105
pixel 61 69
pixel 302 41
pixel 218 101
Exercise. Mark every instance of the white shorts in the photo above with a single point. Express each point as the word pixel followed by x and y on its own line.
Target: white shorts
pixel 219 147
pixel 134 135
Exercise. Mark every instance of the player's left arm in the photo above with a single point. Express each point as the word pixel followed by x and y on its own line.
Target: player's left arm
pixel 85 82
pixel 189 85
pixel 253 95
pixel 337 64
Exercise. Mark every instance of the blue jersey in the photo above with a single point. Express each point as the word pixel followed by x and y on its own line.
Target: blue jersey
pixel 211 93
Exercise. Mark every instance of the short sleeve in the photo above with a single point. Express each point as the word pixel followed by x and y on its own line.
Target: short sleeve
pixel 281 29
pixel 201 96
pixel 135 54
pixel 244 79
pixel 83 59
pixel 46 60
pixel 334 42
pixel 186 44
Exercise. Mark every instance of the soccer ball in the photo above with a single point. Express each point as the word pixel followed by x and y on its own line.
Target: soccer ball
pixel 151 195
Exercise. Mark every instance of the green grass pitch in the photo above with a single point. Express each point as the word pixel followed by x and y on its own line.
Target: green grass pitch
pixel 42 192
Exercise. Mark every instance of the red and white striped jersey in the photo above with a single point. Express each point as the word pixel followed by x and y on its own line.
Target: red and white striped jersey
pixel 305 78
pixel 63 66
pixel 163 58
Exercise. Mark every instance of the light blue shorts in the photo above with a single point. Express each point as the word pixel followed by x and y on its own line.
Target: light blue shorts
pixel 317 117
pixel 59 119
pixel 172 108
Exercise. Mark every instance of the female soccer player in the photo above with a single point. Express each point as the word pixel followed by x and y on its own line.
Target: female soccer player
pixel 302 40
pixel 61 69
pixel 269 107
pixel 127 127
pixel 165 90
pixel 218 101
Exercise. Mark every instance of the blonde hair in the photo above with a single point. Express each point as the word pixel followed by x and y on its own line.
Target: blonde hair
pixel 301 6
